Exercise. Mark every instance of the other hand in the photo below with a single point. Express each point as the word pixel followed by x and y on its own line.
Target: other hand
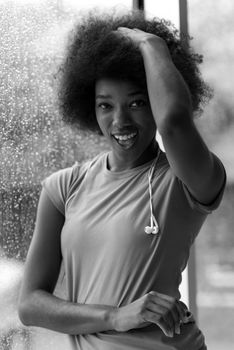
pixel 137 36
pixel 161 309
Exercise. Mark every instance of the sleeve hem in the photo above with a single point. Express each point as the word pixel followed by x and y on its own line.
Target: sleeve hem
pixel 206 208
pixel 57 206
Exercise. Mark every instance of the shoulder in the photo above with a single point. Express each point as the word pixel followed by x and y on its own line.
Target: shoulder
pixel 66 176
pixel 62 178
pixel 61 184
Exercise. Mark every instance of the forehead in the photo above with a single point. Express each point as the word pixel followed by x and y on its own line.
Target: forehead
pixel 111 86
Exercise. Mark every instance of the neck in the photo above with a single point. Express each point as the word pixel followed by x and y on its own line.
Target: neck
pixel 115 163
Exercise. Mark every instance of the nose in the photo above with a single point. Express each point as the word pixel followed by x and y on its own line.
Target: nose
pixel 121 118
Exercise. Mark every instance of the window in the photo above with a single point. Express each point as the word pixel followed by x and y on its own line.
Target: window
pixel 35 143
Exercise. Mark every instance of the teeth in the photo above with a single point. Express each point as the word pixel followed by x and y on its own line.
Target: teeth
pixel 125 137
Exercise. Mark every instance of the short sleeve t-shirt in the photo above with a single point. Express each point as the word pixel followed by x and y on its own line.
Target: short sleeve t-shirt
pixel 109 259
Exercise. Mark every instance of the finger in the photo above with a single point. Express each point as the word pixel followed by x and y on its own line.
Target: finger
pixel 156 309
pixel 176 318
pixel 158 300
pixel 164 296
pixel 171 312
pixel 173 317
pixel 180 314
pixel 186 314
pixel 177 329
pixel 170 317
pixel 166 327
pixel 164 306
pixel 168 301
pixel 181 310
pixel 126 32
pixel 121 31
pixel 159 320
pixel 124 29
pixel 138 30
pixel 165 299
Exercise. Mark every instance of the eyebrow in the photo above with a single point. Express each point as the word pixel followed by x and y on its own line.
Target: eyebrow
pixel 138 92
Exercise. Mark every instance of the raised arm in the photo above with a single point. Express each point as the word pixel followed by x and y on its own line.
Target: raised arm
pixel 170 100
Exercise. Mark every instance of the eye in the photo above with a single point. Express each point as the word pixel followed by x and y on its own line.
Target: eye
pixel 138 103
pixel 104 105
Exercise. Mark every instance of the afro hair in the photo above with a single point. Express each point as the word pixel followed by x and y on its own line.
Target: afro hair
pixel 94 51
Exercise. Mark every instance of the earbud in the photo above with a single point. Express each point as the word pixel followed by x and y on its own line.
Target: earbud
pixel 148 229
pixel 153 229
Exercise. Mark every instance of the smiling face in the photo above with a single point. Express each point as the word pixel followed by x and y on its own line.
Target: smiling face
pixel 125 118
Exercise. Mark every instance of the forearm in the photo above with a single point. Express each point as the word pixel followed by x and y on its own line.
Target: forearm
pixel 168 93
pixel 42 309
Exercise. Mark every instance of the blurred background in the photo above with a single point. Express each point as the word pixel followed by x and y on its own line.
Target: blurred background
pixel 34 143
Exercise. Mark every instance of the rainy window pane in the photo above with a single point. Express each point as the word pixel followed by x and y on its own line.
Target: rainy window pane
pixel 34 141
pixel 211 26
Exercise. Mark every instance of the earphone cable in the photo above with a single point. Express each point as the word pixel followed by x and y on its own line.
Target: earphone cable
pixel 153 221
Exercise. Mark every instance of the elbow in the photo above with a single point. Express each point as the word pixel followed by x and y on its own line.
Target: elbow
pixel 25 311
pixel 24 314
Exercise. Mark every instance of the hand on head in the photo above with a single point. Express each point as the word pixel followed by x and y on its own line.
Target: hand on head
pixel 137 36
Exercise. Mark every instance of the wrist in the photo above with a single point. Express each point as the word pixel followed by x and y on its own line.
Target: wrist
pixel 110 317
pixel 155 45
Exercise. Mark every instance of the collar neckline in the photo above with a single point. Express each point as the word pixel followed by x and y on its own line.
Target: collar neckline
pixel 127 172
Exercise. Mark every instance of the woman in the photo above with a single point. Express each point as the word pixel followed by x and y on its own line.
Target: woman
pixel 123 223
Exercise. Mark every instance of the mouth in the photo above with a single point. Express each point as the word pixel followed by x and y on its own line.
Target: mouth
pixel 127 140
